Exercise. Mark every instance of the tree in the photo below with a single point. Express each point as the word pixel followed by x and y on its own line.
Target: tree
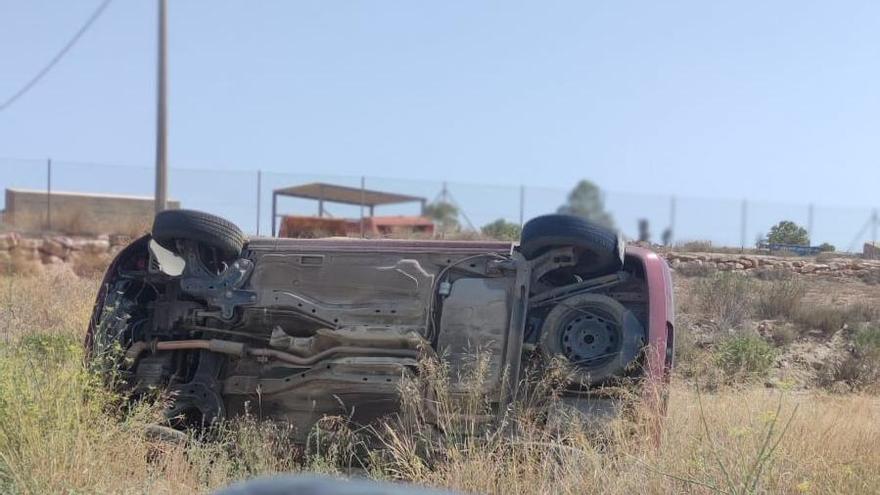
pixel 827 248
pixel 788 232
pixel 502 230
pixel 444 214
pixel 585 200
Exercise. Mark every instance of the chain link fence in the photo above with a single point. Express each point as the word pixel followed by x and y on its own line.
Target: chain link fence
pixel 245 197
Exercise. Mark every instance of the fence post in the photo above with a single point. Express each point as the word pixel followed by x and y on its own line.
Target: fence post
pixel 259 197
pixel 743 219
pixel 49 194
pixel 363 193
pixel 522 204
pixel 671 220
pixel 810 223
pixel 874 221
pixel 274 201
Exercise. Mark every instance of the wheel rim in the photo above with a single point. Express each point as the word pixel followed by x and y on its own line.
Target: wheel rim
pixel 589 339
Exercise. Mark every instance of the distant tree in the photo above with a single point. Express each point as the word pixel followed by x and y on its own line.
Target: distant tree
pixel 502 230
pixel 667 236
pixel 644 230
pixel 585 200
pixel 444 215
pixel 788 232
pixel 827 248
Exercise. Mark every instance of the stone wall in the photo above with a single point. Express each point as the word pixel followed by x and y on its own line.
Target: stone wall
pixel 85 255
pixel 828 266
pixel 88 255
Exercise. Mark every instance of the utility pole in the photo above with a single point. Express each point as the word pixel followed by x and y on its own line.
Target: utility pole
pixel 161 114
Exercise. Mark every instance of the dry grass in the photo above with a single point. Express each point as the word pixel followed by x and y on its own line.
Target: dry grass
pixel 725 298
pixel 830 318
pixel 779 298
pixel 60 432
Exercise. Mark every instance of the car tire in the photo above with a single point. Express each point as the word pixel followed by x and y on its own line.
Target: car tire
pixel 208 230
pixel 623 330
pixel 600 249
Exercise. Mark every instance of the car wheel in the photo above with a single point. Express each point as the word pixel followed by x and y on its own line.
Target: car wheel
pixel 208 230
pixel 600 249
pixel 595 333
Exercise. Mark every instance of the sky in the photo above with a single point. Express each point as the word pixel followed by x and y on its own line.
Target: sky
pixel 774 101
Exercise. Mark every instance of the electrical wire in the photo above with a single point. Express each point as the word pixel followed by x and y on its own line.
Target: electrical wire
pixel 57 58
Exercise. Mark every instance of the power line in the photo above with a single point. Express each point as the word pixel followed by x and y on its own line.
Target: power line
pixel 57 58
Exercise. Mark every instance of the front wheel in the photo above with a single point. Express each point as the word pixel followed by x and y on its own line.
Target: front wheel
pixel 208 230
pixel 599 249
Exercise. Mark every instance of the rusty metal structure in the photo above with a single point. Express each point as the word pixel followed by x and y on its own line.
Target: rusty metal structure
pixel 323 192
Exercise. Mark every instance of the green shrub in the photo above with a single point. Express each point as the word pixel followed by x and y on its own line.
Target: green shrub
pixel 695 246
pixel 725 298
pixel 867 339
pixel 502 230
pixel 744 356
pixel 788 232
pixel 52 345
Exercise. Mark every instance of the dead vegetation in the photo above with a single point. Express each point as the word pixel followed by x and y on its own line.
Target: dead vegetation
pixel 62 432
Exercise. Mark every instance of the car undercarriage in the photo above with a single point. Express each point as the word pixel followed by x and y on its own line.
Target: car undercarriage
pixel 302 328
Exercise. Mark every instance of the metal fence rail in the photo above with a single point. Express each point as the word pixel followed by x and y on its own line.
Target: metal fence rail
pixel 245 197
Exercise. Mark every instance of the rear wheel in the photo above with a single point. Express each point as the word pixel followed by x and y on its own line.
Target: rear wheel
pixel 597 335
pixel 599 249
pixel 207 230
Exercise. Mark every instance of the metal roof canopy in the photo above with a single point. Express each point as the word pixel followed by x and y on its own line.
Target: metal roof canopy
pixel 345 194
pixel 340 194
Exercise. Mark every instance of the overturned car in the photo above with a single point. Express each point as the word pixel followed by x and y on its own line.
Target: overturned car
pixel 312 327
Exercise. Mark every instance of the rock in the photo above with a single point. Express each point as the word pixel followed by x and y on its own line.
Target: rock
pixel 94 246
pixel 49 259
pixel 29 244
pixel 57 246
pixel 8 241
pixel 120 240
